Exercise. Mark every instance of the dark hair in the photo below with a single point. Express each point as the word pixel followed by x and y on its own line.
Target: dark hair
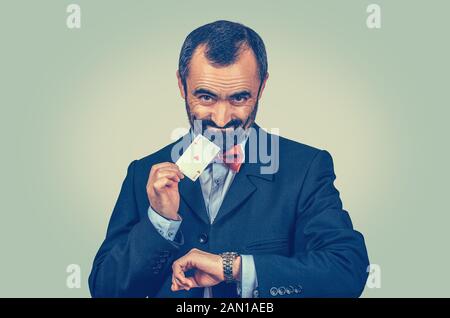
pixel 224 41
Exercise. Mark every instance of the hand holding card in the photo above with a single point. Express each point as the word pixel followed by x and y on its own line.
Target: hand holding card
pixel 162 189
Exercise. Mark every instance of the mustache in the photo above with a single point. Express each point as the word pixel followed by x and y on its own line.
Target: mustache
pixel 234 123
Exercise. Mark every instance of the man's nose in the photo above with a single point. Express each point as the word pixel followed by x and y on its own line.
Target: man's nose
pixel 221 114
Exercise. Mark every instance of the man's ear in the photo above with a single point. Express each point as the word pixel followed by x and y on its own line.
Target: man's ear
pixel 180 85
pixel 263 85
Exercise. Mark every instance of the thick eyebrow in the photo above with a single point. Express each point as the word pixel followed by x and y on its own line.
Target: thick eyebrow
pixel 241 94
pixel 201 91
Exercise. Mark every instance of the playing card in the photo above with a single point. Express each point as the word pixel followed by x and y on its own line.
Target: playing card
pixel 197 156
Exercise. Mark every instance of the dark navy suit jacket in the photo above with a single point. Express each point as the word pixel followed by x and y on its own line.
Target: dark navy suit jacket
pixel 292 222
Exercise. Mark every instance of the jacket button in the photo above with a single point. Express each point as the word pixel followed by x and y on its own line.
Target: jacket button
pixel 164 254
pixel 203 238
pixel 273 291
pixel 157 266
pixel 282 290
pixel 290 290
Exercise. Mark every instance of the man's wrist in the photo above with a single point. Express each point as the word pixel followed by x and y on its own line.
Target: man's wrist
pixel 176 218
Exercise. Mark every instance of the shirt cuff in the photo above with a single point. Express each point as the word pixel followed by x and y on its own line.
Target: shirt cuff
pixel 167 228
pixel 249 283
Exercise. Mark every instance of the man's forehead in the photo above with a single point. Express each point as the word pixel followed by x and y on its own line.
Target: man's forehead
pixel 244 69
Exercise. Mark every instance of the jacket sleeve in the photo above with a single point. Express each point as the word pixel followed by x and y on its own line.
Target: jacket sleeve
pixel 330 257
pixel 134 259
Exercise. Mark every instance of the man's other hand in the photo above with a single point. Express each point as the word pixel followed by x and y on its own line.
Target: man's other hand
pixel 162 189
pixel 208 270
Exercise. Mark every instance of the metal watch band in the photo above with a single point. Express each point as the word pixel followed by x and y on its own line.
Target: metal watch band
pixel 227 262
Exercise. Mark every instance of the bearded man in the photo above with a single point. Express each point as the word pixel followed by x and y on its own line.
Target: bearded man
pixel 267 223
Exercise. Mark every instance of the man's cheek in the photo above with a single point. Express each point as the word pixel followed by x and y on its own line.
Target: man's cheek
pixel 200 112
pixel 243 112
pixel 193 103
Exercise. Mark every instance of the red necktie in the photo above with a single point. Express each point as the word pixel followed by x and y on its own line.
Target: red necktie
pixel 233 157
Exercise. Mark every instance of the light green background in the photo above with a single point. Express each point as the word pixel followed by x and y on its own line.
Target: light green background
pixel 77 106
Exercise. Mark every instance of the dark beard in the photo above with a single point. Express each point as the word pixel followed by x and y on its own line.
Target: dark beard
pixel 224 139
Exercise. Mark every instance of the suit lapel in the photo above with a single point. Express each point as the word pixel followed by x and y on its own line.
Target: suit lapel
pixel 240 190
pixel 191 193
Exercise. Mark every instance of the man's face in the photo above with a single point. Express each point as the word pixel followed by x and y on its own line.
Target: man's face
pixel 223 99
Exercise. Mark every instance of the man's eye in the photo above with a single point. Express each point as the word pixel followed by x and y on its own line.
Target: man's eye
pixel 206 98
pixel 240 99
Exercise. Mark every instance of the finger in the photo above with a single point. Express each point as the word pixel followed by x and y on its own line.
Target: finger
pixel 181 285
pixel 169 174
pixel 175 285
pixel 178 271
pixel 180 278
pixel 163 182
pixel 162 165
pixel 175 170
pixel 191 282
pixel 176 281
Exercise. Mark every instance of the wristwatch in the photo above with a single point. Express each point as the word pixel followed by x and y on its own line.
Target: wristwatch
pixel 227 262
